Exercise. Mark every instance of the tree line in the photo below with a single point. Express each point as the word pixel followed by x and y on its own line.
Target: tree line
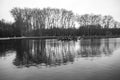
pixel 57 22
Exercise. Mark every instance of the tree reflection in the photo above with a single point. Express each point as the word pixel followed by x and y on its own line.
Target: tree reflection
pixel 44 53
pixel 90 48
pixel 30 53
pixel 55 53
pixel 96 48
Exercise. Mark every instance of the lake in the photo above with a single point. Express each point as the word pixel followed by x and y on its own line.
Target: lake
pixel 50 59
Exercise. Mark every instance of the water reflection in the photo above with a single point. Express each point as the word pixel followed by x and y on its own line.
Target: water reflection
pixel 6 46
pixel 54 53
pixel 96 48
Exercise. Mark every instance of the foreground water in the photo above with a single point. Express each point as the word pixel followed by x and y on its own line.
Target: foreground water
pixel 96 59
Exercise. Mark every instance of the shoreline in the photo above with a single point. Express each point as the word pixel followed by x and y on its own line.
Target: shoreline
pixel 61 37
pixel 42 37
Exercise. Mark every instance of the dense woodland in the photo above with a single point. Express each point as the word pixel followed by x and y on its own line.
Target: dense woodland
pixel 57 22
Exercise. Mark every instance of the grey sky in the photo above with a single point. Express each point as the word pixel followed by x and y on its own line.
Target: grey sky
pixel 103 7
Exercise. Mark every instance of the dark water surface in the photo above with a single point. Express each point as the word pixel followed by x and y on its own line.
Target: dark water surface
pixel 96 59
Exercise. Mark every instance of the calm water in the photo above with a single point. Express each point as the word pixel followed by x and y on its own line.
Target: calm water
pixel 97 59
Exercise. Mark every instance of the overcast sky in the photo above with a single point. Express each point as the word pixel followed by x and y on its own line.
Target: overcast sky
pixel 103 7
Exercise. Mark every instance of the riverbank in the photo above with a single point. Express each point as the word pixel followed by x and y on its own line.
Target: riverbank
pixel 41 37
pixel 61 37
